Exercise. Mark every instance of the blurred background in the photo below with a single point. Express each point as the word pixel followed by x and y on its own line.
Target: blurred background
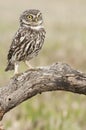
pixel 65 24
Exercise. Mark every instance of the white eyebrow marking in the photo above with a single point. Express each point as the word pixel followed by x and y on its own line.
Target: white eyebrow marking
pixel 38 14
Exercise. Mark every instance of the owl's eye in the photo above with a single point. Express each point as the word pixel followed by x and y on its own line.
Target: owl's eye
pixel 30 17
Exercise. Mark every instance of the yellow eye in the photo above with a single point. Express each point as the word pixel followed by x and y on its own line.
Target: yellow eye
pixel 30 17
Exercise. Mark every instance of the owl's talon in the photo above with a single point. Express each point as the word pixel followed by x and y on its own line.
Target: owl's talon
pixel 16 74
pixel 27 63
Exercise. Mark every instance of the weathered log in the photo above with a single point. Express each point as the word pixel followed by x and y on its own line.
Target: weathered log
pixel 58 76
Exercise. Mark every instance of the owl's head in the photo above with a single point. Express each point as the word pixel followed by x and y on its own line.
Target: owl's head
pixel 31 17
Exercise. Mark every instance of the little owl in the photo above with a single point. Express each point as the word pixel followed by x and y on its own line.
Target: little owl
pixel 27 41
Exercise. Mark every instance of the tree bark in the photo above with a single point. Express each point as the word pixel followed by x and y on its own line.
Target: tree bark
pixel 58 76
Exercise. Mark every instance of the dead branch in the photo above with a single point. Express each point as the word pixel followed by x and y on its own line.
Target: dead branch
pixel 58 76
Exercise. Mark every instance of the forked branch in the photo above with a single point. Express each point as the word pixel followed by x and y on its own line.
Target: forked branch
pixel 58 76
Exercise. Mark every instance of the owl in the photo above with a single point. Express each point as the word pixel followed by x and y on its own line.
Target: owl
pixel 27 41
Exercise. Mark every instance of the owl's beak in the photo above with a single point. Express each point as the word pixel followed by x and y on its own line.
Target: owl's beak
pixel 35 19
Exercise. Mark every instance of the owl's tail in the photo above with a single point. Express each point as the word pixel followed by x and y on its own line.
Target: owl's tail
pixel 10 66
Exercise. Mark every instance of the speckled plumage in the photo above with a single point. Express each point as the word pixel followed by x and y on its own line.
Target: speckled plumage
pixel 28 40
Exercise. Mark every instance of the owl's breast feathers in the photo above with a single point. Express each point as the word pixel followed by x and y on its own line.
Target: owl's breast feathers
pixel 26 44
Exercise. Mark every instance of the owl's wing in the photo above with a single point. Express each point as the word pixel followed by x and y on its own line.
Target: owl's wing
pixel 18 40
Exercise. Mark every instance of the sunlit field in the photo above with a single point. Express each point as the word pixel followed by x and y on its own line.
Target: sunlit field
pixel 65 24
